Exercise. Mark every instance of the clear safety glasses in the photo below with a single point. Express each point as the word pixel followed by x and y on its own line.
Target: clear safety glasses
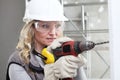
pixel 45 27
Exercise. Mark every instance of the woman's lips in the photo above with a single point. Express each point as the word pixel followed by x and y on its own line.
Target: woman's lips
pixel 51 39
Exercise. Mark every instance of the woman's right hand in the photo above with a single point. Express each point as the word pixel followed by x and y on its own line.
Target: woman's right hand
pixel 67 66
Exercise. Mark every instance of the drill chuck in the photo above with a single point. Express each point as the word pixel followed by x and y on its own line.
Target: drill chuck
pixel 84 46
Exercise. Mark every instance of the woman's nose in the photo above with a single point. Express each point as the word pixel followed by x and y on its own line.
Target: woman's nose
pixel 53 31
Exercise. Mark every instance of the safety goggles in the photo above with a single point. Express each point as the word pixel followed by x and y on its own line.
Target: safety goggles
pixel 45 27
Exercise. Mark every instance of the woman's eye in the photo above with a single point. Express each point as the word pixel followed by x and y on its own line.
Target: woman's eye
pixel 45 26
pixel 57 26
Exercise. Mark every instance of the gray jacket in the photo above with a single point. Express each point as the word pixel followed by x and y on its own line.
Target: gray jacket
pixel 35 72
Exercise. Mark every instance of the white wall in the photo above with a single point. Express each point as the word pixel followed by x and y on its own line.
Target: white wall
pixel 114 26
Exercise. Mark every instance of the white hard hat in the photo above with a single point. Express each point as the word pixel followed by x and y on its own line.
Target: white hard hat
pixel 45 10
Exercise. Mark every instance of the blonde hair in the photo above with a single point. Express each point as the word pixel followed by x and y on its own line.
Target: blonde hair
pixel 26 41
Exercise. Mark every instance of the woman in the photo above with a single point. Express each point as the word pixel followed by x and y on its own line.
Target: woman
pixel 44 24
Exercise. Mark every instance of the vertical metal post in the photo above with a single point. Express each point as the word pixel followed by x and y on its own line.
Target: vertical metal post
pixel 83 20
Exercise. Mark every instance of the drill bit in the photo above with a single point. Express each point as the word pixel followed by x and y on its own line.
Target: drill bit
pixel 105 42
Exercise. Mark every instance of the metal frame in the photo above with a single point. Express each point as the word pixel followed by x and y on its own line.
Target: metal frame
pixel 84 32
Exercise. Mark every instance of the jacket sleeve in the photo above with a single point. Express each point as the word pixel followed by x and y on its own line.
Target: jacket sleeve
pixel 16 72
pixel 81 74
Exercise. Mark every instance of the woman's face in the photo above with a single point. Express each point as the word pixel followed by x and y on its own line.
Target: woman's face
pixel 45 32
